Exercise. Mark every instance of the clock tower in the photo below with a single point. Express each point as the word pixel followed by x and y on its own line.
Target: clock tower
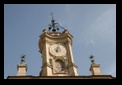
pixel 55 45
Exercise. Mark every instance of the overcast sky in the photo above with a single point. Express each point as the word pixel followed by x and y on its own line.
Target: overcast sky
pixel 93 27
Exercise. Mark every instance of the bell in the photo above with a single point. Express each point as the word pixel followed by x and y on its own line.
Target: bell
pixel 57 28
pixel 49 28
pixel 53 20
pixel 54 30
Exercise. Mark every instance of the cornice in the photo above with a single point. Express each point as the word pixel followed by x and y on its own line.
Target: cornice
pixel 63 77
pixel 48 38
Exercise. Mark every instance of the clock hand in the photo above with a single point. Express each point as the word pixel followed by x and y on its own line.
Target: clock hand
pixel 57 49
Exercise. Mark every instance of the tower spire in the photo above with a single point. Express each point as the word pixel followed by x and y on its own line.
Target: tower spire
pixel 52 17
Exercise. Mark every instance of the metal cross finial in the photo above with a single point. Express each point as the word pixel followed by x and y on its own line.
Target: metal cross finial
pixel 52 15
pixel 53 23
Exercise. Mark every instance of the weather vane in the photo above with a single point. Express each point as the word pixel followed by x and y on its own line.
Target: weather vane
pixel 92 59
pixel 54 26
pixel 22 58
pixel 52 17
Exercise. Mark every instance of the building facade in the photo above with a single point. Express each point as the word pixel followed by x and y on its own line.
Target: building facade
pixel 57 57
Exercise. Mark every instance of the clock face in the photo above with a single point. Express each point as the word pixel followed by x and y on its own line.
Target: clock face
pixel 57 50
